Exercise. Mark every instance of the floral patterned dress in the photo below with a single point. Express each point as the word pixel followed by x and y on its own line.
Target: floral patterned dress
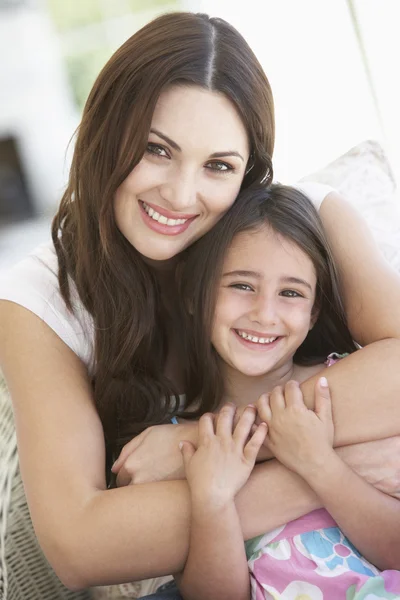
pixel 311 559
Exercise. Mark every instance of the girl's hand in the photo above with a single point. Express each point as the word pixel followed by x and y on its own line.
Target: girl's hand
pixel 225 457
pixel 300 438
pixel 154 455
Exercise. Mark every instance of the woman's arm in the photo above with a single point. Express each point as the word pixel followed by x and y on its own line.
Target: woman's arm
pixel 365 389
pixel 371 286
pixel 91 535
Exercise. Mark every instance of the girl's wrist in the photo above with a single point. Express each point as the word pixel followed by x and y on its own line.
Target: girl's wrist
pixel 324 471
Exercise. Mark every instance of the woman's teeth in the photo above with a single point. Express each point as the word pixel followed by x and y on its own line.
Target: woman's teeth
pixel 160 218
pixel 255 339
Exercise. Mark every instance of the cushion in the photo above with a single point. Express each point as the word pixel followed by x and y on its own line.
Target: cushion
pixel 364 177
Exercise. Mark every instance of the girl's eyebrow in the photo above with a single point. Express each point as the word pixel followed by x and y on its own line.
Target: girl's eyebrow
pixel 256 275
pixel 239 273
pixel 297 280
pixel 175 146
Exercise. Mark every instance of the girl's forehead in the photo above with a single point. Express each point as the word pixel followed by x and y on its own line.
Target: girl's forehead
pixel 268 253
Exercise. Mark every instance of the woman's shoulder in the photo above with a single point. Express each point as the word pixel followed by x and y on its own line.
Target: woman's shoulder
pixel 316 192
pixel 33 284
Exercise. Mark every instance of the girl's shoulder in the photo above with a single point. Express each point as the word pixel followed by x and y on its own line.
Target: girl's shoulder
pixel 33 284
pixel 302 373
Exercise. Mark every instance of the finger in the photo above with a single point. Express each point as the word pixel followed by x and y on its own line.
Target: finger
pixel 253 446
pixel 323 403
pixel 277 400
pixel 123 477
pixel 127 450
pixel 225 420
pixel 238 414
pixel 264 409
pixel 293 394
pixel 187 450
pixel 243 428
pixel 206 428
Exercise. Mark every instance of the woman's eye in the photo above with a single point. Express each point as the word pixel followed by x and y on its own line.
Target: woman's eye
pixel 242 286
pixel 291 294
pixel 219 166
pixel 157 150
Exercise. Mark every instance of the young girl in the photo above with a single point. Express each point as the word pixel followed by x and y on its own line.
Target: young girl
pixel 272 311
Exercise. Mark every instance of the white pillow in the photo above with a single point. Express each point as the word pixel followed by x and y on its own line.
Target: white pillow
pixel 364 177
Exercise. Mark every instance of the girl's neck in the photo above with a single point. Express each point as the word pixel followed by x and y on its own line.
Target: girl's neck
pixel 243 389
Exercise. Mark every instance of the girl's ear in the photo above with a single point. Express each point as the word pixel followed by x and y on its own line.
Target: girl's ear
pixel 314 316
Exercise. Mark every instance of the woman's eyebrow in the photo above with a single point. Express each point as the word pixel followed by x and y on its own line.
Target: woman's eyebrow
pixel 175 146
pixel 227 153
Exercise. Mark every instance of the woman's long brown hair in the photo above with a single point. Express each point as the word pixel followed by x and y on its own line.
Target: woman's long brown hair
pixel 113 282
pixel 291 214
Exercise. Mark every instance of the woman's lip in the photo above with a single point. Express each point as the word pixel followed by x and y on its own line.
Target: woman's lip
pixel 167 213
pixel 162 228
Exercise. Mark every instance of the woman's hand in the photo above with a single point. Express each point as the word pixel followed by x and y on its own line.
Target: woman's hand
pixel 225 456
pixel 300 438
pixel 378 462
pixel 154 454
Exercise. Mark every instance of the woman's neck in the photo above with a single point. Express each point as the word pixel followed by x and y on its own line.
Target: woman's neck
pixel 244 389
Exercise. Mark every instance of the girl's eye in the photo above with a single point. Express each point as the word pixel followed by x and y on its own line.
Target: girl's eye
pixel 242 286
pixel 157 150
pixel 291 294
pixel 219 167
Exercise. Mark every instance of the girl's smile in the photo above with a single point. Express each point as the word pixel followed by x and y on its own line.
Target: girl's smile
pixel 264 304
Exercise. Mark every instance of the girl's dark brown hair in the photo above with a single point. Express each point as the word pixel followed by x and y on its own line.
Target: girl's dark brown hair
pixel 290 214
pixel 113 282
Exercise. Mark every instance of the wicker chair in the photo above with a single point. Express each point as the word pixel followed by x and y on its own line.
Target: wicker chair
pixel 24 571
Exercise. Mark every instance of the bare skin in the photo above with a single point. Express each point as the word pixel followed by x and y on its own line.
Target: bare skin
pixel 62 448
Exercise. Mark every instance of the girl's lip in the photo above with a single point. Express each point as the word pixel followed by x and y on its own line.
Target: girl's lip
pixel 255 345
pixel 162 228
pixel 167 213
pixel 258 334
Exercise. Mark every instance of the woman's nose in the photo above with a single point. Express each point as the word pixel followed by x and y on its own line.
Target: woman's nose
pixel 180 191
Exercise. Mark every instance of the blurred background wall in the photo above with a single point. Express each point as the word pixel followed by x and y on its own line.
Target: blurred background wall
pixel 331 64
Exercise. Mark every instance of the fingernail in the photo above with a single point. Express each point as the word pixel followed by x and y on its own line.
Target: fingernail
pixel 180 445
pixel 323 382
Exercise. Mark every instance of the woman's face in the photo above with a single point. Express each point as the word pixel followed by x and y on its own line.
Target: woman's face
pixel 189 176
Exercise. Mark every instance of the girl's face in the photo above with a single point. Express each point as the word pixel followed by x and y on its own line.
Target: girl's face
pixel 189 175
pixel 264 303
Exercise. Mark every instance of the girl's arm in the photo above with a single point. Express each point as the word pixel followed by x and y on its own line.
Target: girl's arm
pixel 369 518
pixel 302 440
pixel 216 566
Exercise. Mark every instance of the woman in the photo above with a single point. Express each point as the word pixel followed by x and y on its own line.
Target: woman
pixel 179 120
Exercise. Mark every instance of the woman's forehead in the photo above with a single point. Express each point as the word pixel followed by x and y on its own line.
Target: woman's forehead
pixel 194 116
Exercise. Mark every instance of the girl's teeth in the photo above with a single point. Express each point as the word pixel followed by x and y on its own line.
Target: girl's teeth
pixel 255 339
pixel 160 218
